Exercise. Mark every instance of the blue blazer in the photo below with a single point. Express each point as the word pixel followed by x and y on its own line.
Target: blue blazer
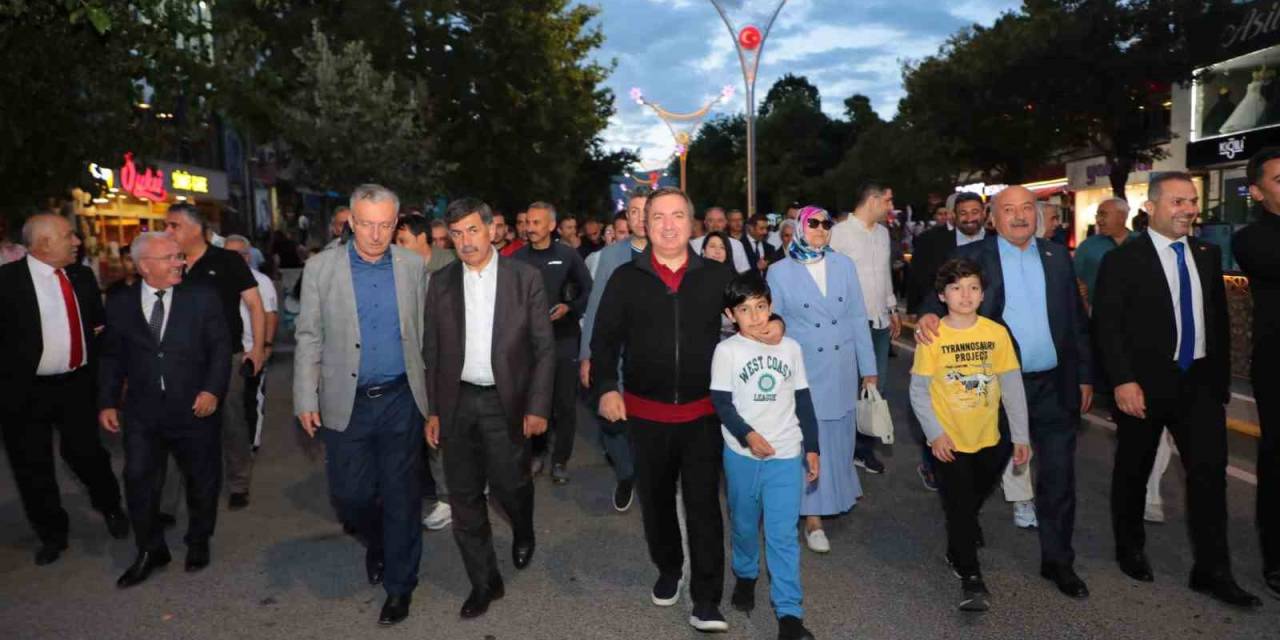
pixel 1067 320
pixel 833 330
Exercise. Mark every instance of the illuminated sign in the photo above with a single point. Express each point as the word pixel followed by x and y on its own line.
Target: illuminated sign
pixel 185 181
pixel 104 174
pixel 149 184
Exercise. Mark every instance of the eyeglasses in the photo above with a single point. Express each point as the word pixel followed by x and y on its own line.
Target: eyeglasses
pixel 814 223
pixel 173 257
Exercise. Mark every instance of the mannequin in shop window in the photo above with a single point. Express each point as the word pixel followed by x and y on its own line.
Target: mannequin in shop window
pixel 1253 107
pixel 1219 112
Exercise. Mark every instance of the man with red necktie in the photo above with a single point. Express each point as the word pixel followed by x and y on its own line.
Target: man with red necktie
pixel 48 333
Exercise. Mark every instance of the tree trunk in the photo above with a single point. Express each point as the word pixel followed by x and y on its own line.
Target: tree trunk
pixel 1120 168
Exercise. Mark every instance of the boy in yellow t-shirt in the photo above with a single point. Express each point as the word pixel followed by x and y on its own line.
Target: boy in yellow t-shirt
pixel 958 383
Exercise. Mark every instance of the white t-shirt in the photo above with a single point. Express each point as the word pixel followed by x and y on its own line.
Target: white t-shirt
pixel 266 289
pixel 763 379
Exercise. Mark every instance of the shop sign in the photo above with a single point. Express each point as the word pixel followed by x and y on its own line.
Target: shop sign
pixel 1231 149
pixel 149 184
pixel 983 189
pixel 105 175
pixel 186 181
pixel 1245 28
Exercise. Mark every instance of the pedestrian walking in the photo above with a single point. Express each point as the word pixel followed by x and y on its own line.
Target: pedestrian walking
pixel 359 383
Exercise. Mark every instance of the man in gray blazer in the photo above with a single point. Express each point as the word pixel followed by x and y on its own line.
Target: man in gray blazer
pixel 359 380
pixel 613 435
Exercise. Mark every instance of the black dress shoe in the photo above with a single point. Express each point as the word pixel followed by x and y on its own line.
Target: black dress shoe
pixel 522 553
pixel 142 567
pixel 1135 566
pixel 117 524
pixel 1066 580
pixel 1272 578
pixel 197 557
pixel 394 610
pixel 49 552
pixel 478 602
pixel 167 521
pixel 374 565
pixel 1223 588
pixel 744 595
pixel 238 501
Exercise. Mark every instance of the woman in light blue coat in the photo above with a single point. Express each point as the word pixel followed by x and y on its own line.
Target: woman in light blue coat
pixel 816 292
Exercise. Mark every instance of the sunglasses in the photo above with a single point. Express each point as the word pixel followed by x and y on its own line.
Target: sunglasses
pixel 814 223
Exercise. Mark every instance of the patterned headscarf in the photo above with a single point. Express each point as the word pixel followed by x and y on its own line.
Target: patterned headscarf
pixel 802 251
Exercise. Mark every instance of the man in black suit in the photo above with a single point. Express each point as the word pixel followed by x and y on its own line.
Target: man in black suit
pixel 760 254
pixel 169 341
pixel 49 326
pixel 491 358
pixel 1160 310
pixel 1031 289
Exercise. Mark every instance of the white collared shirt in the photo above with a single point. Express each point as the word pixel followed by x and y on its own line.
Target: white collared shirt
pixel 962 239
pixel 269 305
pixel 869 249
pixel 55 331
pixel 1169 262
pixel 480 295
pixel 149 301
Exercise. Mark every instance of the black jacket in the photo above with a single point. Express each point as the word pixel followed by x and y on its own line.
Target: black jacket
pixel 21 341
pixel 665 339
pixel 1257 249
pixel 567 281
pixel 1134 325
pixel 194 354
pixel 931 249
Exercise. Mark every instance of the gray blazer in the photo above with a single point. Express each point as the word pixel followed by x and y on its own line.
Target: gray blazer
pixel 326 359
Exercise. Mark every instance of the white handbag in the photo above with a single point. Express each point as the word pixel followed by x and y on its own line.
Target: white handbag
pixel 873 415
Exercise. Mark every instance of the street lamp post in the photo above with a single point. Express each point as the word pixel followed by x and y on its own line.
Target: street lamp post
pixel 749 41
pixel 682 125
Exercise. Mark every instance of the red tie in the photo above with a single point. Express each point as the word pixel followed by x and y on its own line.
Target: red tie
pixel 73 320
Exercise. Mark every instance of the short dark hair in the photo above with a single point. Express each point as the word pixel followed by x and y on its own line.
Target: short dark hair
pixel 191 212
pixel 1262 157
pixel 759 217
pixel 745 285
pixel 463 207
pixel 641 191
pixel 415 224
pixel 440 224
pixel 621 215
pixel 1156 186
pixel 966 196
pixel 866 190
pixel 956 269
pixel 667 191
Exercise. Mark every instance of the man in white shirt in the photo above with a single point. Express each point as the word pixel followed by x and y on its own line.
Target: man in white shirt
pixel 256 386
pixel 714 220
pixel 864 238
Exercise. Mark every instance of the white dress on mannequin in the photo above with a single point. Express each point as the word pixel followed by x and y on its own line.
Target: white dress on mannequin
pixel 1253 107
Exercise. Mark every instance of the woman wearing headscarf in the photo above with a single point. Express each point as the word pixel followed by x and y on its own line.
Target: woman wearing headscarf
pixel 816 292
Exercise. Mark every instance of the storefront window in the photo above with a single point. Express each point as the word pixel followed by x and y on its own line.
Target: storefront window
pixel 1236 96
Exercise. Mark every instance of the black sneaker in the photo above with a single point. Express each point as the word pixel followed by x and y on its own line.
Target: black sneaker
pixel 951 565
pixel 238 501
pixel 792 628
pixel 744 595
pixel 976 597
pixel 927 478
pixel 869 462
pixel 666 591
pixel 559 474
pixel 707 617
pixel 623 494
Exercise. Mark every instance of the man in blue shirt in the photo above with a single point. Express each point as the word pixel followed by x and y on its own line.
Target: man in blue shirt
pixel 1112 232
pixel 362 386
pixel 1031 289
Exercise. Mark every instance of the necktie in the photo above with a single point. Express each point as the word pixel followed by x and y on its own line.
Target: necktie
pixel 157 317
pixel 1186 311
pixel 73 320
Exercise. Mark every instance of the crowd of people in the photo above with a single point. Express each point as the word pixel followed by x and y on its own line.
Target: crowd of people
pixel 441 363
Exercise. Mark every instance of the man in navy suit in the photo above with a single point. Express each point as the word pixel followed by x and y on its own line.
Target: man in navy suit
pixel 1031 289
pixel 170 342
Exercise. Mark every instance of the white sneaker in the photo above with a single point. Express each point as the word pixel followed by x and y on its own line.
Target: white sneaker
pixel 1024 514
pixel 440 517
pixel 817 541
pixel 1154 513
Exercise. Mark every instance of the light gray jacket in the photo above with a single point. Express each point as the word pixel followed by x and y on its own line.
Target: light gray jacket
pixel 326 360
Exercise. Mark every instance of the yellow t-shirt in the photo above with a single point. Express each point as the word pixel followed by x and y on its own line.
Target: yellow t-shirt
pixel 965 391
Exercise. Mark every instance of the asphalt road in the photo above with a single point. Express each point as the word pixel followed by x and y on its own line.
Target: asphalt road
pixel 283 568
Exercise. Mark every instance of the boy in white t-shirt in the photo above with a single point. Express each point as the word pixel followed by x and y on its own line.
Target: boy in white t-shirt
pixel 771 450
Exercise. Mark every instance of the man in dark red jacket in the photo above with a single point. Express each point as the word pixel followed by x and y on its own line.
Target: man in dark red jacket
pixel 660 314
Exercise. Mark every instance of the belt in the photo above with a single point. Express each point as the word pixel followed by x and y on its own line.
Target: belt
pixel 478 387
pixel 58 377
pixel 379 390
pixel 1040 375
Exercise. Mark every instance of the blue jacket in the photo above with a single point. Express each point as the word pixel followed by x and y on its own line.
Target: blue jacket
pixel 611 257
pixel 1066 312
pixel 833 331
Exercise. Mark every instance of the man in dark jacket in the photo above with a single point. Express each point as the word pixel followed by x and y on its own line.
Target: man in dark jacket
pixel 568 285
pixel 660 314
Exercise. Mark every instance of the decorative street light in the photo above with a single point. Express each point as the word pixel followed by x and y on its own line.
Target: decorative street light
pixel 749 39
pixel 682 125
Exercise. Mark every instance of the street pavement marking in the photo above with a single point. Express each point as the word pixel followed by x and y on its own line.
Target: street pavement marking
pixel 1232 423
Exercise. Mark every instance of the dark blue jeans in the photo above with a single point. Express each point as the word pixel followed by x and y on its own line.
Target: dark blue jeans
pixel 375 476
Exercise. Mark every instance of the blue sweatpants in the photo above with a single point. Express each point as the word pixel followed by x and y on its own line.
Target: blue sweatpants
pixel 771 488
